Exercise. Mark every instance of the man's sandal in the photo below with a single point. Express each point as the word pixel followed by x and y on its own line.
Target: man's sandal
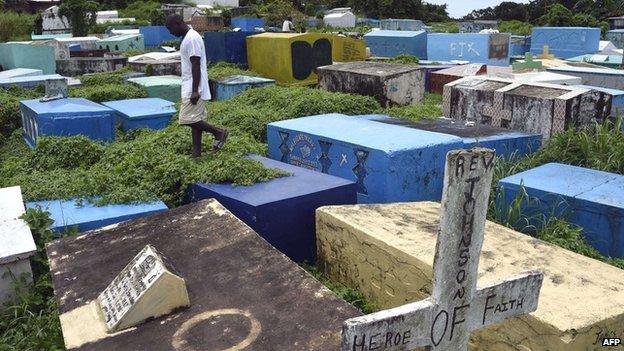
pixel 218 144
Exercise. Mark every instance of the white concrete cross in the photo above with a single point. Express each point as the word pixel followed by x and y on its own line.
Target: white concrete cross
pixel 445 320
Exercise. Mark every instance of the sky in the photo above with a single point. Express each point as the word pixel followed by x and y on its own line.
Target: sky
pixel 460 8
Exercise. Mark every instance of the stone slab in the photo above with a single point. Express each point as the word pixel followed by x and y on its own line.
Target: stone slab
pixel 547 77
pixel 164 87
pixel 441 77
pixel 387 252
pixel 28 81
pixel 282 210
pixel 591 199
pixel 505 142
pixel 229 87
pixel 484 48
pixel 389 163
pixel 244 294
pixel 22 55
pixel 66 117
pixel 83 216
pixel 391 43
pixel 227 46
pixel 609 61
pixel 598 77
pixel 20 72
pixel 565 42
pixel 122 43
pixel 389 84
pixel 152 113
pixel 154 36
pixel 17 241
pixel 247 24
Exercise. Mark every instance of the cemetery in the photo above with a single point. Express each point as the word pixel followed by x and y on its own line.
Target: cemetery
pixel 393 177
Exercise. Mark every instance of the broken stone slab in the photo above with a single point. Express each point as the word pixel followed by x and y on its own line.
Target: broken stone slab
pixel 17 242
pixel 387 252
pixel 531 107
pixel 389 84
pixel 244 294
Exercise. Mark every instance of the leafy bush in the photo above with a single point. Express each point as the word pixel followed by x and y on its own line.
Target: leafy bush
pixel 224 69
pixel 66 153
pixel 9 107
pixel 81 15
pixel 515 27
pixel 141 10
pixel 445 27
pixel 405 59
pixel 100 28
pixel 430 108
pixel 14 26
pixel 108 92
pixel 97 79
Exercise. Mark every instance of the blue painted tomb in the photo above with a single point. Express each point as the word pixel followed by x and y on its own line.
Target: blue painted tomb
pixel 485 48
pixel 282 210
pixel 27 81
pixel 227 46
pixel 154 36
pixel 66 117
pixel 389 163
pixel 152 113
pixel 565 42
pixel 83 216
pixel 247 24
pixel 229 87
pixel 591 199
pixel 391 43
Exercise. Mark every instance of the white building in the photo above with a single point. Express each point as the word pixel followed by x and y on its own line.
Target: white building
pixel 340 17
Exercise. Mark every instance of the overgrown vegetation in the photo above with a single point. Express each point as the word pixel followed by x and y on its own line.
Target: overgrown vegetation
pixel 81 14
pixel 9 107
pixel 515 27
pixel 108 92
pixel 101 28
pixel 430 108
pixel 31 322
pixel 14 26
pixel 223 70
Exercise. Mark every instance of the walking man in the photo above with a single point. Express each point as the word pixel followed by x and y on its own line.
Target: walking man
pixel 195 89
pixel 288 26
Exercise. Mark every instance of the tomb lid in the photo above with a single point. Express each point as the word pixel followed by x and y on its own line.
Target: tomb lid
pixel 460 71
pixel 395 33
pixel 73 39
pixel 241 79
pixel 20 72
pixel 614 92
pixel 243 292
pixel 15 236
pixel 67 105
pixel 602 70
pixel 120 37
pixel 608 193
pixel 371 68
pixel 157 80
pixel 281 188
pixel 538 91
pixel 370 134
pixel 142 108
pixel 41 78
pixel 557 178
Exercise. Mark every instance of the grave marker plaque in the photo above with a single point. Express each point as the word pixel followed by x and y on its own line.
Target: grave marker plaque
pixel 445 320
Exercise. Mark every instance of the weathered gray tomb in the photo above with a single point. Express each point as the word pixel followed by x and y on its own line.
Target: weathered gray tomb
pixel 243 293
pixel 456 308
pixel 386 82
pixel 530 107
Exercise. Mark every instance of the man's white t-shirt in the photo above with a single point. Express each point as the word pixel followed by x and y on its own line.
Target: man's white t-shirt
pixel 193 45
pixel 287 26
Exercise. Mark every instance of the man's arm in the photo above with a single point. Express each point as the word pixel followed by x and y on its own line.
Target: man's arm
pixel 196 72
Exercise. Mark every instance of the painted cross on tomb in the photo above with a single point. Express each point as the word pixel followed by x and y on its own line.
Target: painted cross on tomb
pixel 445 320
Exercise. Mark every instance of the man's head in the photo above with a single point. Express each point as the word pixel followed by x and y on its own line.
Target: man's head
pixel 176 26
pixel 289 18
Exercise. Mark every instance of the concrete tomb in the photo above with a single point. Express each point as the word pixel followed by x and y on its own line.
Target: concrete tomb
pixel 484 48
pixel 598 77
pixel 231 86
pixel 565 42
pixel 66 117
pixel 63 46
pixel 604 60
pixel 391 43
pixel 617 99
pixel 519 45
pixel 154 36
pixel 588 198
pixel 388 162
pixel 164 87
pixel 291 58
pixel 389 84
pixel 53 22
pixel 616 36
pixel 387 253
pixel 429 69
pixel 83 216
pixel 282 210
pixel 401 24
pixel 505 142
pixel 76 66
pixel 28 81
pixel 531 107
pixel 442 77
pixel 122 43
pixel 454 296
pixel 20 72
pixel 152 113
pixel 247 24
pixel 227 47
pixel 340 18
pixel 236 283
pixel 24 55
pixel 145 288
pixel 157 67
pixel 17 243
pixel 546 77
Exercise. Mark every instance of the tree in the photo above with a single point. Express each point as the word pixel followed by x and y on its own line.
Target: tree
pixel 557 16
pixel 509 11
pixel 81 15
